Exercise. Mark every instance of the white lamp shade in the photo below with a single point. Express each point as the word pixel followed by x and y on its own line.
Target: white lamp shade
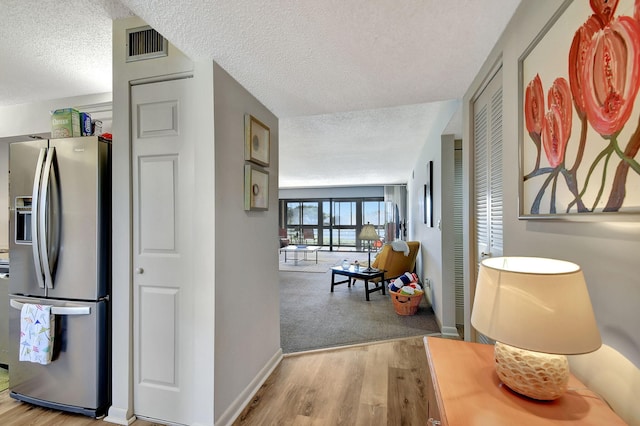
pixel 368 233
pixel 538 304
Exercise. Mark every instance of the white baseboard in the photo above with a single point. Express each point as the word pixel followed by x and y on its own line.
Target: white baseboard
pixel 119 416
pixel 447 331
pixel 450 332
pixel 234 410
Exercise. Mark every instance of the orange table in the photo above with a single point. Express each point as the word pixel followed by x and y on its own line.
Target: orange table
pixel 464 390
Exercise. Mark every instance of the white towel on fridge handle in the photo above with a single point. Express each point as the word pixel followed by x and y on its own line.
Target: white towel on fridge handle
pixel 37 325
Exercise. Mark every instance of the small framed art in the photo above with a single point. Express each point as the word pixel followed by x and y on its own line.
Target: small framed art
pixel 256 188
pixel 256 141
pixel 428 196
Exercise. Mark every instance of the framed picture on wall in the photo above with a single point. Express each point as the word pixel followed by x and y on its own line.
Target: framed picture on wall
pixel 428 196
pixel 256 141
pixel 580 114
pixel 256 188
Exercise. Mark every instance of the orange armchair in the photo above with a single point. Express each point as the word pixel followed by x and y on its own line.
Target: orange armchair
pixel 395 263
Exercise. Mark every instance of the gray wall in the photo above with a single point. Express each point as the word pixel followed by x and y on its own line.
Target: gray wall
pixel 4 195
pixel 430 259
pixel 247 303
pixel 34 118
pixel 333 192
pixel 607 251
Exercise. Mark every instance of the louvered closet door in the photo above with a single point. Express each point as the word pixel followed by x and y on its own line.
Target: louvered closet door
pixel 458 230
pixel 487 142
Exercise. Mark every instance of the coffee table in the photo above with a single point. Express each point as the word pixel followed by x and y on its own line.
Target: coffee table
pixel 360 274
pixel 299 249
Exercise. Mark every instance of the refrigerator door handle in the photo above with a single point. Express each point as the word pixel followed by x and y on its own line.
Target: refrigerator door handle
pixel 58 310
pixel 48 240
pixel 35 204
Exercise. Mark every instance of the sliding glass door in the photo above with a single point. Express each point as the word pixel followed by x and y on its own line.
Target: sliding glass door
pixel 302 222
pixel 331 223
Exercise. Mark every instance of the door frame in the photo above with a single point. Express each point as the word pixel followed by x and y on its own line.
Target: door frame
pixel 121 410
pixel 470 255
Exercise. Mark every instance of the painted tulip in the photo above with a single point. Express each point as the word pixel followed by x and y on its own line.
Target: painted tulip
pixel 554 139
pixel 577 58
pixel 604 9
pixel 534 106
pixel 560 96
pixel 611 75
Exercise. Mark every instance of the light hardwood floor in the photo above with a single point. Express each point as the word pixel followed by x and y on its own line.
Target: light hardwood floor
pixel 16 413
pixel 374 384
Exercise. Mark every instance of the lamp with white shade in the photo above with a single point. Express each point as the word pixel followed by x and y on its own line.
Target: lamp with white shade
pixel 537 310
pixel 368 233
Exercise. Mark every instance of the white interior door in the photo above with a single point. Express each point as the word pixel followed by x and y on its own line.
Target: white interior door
pixel 487 143
pixel 161 294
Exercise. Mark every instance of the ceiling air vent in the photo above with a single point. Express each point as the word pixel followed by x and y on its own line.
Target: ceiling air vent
pixel 145 43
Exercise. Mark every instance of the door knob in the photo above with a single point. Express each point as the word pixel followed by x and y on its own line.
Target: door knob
pixel 139 271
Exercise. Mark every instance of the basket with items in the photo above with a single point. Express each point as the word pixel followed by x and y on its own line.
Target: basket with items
pixel 406 294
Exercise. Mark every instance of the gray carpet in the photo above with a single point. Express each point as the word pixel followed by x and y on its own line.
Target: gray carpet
pixel 325 261
pixel 311 317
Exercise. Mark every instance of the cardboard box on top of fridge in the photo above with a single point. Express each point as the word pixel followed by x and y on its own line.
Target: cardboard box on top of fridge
pixel 85 124
pixel 65 123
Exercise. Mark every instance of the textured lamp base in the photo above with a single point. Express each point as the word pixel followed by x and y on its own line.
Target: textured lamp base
pixel 534 374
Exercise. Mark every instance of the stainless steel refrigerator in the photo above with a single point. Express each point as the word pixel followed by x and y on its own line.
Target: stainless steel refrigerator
pixel 59 248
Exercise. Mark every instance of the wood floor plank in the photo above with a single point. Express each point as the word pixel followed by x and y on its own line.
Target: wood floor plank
pixel 346 387
pixel 377 384
pixel 17 413
pixel 407 385
pixel 372 406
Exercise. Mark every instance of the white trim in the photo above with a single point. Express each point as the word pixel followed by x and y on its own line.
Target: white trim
pixel 245 397
pixel 159 421
pixel 161 78
pixel 96 107
pixel 450 332
pixel 119 416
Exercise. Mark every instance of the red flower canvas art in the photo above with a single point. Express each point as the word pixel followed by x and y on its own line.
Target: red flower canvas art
pixel 581 113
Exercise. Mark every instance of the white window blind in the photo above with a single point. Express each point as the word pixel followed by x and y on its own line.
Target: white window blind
pixel 495 175
pixel 488 184
pixel 458 251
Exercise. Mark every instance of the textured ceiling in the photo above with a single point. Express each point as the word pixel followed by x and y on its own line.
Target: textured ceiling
pixel 51 49
pixel 370 147
pixel 324 67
